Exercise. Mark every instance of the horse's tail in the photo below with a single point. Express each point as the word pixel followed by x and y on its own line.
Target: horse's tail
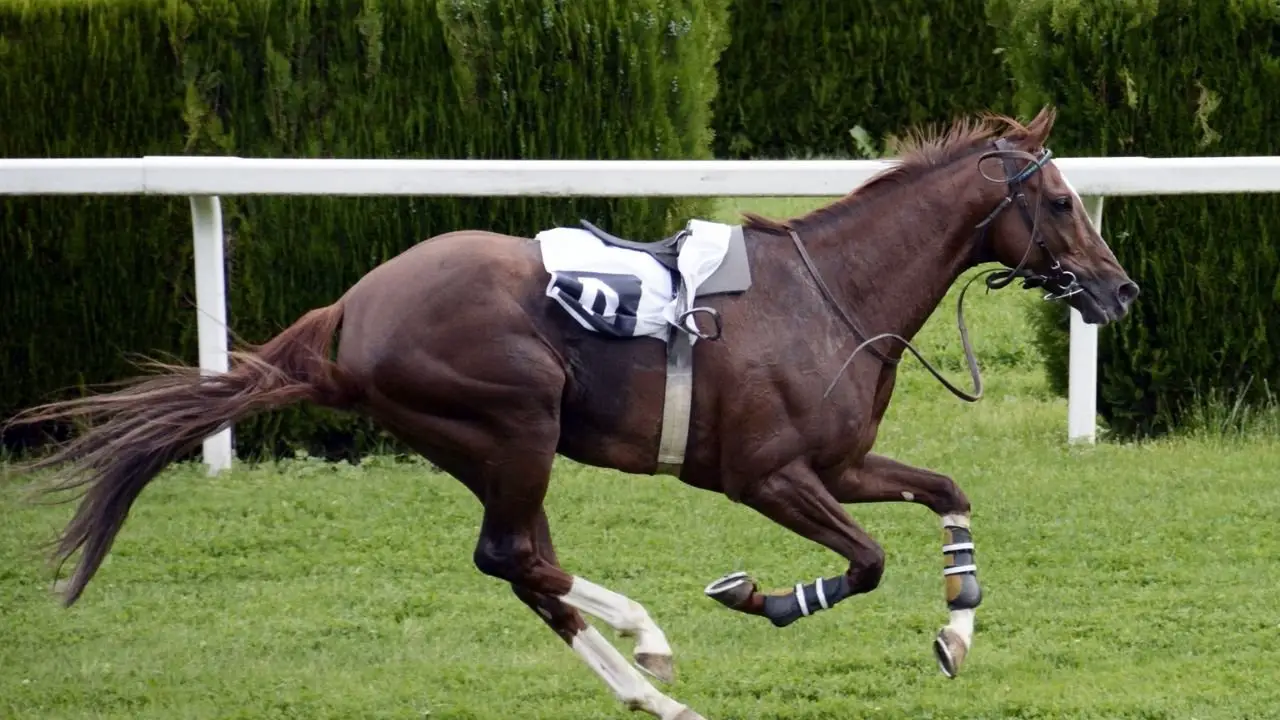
pixel 139 429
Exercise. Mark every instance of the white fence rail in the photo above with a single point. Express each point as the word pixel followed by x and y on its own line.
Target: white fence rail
pixel 590 178
pixel 203 179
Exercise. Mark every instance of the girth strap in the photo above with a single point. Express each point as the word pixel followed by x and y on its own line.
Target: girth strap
pixel 677 404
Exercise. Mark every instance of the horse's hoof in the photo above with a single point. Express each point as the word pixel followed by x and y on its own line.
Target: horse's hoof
pixel 661 667
pixel 950 650
pixel 685 714
pixel 732 590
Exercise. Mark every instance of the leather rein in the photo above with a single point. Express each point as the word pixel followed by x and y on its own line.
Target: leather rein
pixel 1059 282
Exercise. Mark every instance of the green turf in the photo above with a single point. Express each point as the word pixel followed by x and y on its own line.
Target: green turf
pixel 1130 581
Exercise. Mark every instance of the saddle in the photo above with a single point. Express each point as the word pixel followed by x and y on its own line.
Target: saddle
pixel 733 275
pixel 665 251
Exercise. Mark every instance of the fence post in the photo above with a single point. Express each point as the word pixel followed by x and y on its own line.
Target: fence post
pixel 1082 392
pixel 211 311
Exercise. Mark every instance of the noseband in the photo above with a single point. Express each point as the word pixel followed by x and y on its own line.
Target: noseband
pixel 1057 280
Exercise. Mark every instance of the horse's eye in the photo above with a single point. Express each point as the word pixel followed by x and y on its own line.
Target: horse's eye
pixel 1062 204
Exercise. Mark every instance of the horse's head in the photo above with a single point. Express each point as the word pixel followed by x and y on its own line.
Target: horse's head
pixel 1048 238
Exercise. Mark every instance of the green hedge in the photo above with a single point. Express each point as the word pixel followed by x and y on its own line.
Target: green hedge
pixel 799 77
pixel 1167 78
pixel 85 280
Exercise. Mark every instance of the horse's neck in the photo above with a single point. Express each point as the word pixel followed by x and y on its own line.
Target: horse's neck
pixel 893 260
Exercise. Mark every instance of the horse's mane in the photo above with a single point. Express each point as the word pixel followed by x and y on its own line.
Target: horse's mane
pixel 921 151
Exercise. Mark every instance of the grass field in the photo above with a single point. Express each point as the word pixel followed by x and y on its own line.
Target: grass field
pixel 1121 581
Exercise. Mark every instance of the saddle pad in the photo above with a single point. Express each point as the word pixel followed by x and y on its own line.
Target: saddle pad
pixel 734 273
pixel 606 289
pixel 627 293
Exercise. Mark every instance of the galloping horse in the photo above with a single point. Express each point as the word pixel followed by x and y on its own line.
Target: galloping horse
pixel 454 348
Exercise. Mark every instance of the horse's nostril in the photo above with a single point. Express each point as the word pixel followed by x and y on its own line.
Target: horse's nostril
pixel 1127 293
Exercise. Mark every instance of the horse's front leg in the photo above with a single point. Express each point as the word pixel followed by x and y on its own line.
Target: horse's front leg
pixel 879 479
pixel 796 498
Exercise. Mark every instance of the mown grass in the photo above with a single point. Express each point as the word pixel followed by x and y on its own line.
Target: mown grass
pixel 1122 581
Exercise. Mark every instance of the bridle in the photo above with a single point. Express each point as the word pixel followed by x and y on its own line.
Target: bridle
pixel 1058 281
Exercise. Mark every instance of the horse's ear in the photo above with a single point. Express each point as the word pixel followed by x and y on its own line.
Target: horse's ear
pixel 1038 129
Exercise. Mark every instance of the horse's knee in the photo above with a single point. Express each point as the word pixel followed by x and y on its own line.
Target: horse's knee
pixel 950 499
pixel 866 570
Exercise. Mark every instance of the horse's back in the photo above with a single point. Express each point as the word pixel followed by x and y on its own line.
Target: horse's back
pixel 472 256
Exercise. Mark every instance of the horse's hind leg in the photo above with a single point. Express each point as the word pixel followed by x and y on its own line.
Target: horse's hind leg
pixel 515 546
pixel 880 479
pixel 506 463
pixel 488 410
pixel 564 620
pixel 795 498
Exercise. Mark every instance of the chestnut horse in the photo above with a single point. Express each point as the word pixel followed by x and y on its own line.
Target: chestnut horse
pixel 454 348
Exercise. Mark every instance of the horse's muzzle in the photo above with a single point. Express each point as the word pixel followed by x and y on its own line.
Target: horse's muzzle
pixel 1104 300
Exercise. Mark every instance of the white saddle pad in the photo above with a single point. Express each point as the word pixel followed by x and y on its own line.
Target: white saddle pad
pixel 627 293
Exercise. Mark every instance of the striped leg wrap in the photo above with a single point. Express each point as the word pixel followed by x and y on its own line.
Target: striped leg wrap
pixel 960 571
pixel 784 608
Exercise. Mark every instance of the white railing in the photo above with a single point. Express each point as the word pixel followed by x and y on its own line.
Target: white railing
pixel 203 179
